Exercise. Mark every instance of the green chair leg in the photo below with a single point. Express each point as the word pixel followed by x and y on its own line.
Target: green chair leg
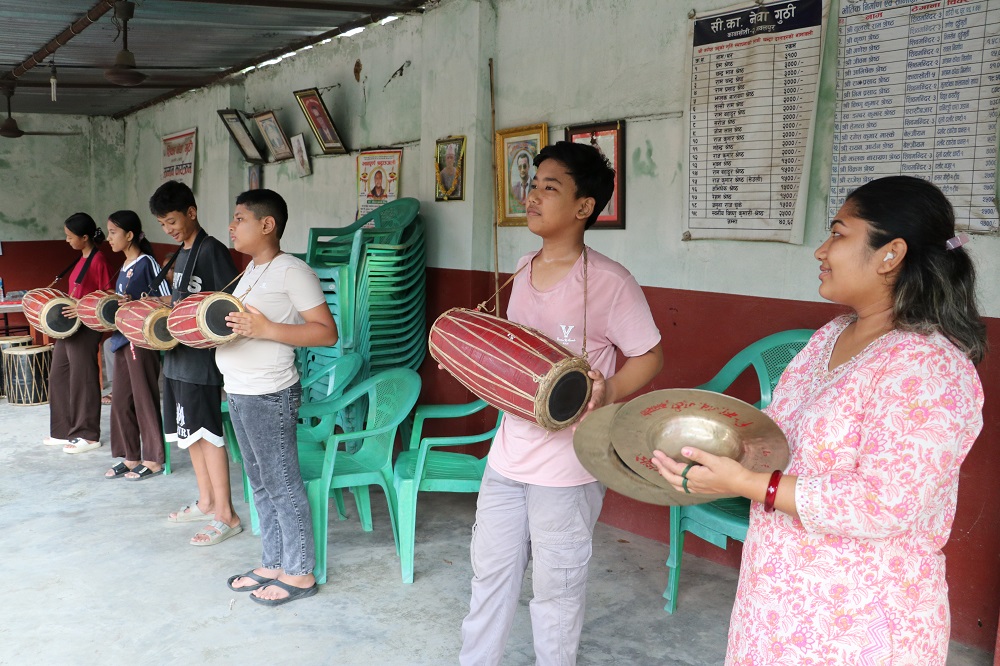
pixel 407 514
pixel 319 502
pixel 364 504
pixel 338 496
pixel 674 560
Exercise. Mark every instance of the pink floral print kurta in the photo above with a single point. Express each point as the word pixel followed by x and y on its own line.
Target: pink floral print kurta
pixel 876 443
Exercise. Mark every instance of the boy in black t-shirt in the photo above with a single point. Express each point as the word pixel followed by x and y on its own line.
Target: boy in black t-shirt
pixel 192 414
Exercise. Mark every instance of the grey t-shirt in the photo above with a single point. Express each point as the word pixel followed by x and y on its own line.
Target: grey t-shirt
pixel 213 270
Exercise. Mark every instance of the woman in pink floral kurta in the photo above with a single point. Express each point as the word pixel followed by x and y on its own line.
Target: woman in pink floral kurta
pixel 880 409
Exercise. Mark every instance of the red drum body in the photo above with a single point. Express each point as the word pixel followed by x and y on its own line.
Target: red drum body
pixel 97 310
pixel 43 310
pixel 199 320
pixel 512 367
pixel 144 323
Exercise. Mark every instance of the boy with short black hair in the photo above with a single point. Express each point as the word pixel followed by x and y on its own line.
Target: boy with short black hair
pixel 535 493
pixel 285 309
pixel 192 400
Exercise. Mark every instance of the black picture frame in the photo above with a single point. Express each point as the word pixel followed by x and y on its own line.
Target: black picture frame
pixel 233 121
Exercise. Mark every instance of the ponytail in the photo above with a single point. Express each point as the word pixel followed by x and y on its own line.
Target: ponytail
pixel 82 224
pixel 128 221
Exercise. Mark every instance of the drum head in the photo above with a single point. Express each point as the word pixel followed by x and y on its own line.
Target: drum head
pixel 109 309
pixel 215 317
pixel 56 322
pixel 569 396
pixel 160 331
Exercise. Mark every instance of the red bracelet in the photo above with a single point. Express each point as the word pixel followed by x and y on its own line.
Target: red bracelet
pixel 772 491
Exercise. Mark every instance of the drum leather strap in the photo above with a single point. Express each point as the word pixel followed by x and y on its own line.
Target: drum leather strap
pixel 482 306
pixel 163 272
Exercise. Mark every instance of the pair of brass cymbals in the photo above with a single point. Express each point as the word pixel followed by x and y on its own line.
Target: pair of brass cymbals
pixel 616 443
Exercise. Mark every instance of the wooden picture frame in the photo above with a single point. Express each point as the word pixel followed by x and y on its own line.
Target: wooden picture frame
pixel 449 169
pixel 609 138
pixel 301 155
pixel 320 121
pixel 233 121
pixel 274 136
pixel 514 154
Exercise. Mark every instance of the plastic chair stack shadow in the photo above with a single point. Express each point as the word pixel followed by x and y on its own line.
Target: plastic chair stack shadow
pixel 420 468
pixel 729 518
pixel 390 396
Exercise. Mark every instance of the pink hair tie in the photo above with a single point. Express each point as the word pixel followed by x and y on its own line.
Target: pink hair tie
pixel 957 241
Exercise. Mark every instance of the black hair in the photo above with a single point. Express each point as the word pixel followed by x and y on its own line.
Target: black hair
pixel 82 224
pixel 264 203
pixel 591 172
pixel 172 196
pixel 127 221
pixel 935 288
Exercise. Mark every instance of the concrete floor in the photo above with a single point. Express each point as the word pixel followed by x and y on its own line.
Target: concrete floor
pixel 96 575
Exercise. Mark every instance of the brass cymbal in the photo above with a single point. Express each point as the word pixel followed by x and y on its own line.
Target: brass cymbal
pixel 616 443
pixel 592 442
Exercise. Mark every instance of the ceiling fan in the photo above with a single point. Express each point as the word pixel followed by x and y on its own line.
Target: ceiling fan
pixel 9 128
pixel 124 72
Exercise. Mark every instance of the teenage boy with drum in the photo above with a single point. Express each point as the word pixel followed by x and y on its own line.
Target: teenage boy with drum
pixel 192 402
pixel 536 497
pixel 285 309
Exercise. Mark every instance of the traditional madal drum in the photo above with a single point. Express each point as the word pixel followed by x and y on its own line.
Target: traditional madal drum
pixel 43 308
pixel 512 367
pixel 144 324
pixel 26 374
pixel 199 320
pixel 6 342
pixel 97 310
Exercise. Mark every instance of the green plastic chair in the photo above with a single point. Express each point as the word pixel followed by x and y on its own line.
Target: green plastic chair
pixel 328 382
pixel 391 396
pixel 729 518
pixel 419 468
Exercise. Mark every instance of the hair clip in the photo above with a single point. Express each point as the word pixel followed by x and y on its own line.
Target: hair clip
pixel 957 241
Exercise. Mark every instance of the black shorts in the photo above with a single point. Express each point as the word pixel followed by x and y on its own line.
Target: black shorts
pixel 192 412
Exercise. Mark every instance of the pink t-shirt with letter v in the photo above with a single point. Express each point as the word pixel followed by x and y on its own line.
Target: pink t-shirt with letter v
pixel 618 318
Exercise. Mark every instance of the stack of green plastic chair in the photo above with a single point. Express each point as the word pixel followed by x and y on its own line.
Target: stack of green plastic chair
pixel 333 246
pixel 392 302
pixel 729 518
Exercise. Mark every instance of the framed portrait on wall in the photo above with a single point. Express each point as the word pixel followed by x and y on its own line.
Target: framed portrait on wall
pixel 515 153
pixel 609 138
pixel 449 169
pixel 241 135
pixel 378 178
pixel 320 120
pixel 301 156
pixel 273 135
pixel 255 176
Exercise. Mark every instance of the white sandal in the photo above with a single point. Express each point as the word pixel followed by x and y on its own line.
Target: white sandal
pixel 80 445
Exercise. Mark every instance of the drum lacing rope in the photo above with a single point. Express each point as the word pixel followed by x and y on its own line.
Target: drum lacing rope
pixel 482 306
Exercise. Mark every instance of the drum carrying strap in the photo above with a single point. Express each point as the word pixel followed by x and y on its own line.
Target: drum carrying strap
pixel 482 306
pixel 163 272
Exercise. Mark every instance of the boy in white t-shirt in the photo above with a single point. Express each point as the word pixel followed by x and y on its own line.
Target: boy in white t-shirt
pixel 285 309
pixel 536 496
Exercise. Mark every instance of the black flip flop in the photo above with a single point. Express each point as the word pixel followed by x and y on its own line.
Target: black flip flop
pixel 143 472
pixel 120 470
pixel 293 593
pixel 257 578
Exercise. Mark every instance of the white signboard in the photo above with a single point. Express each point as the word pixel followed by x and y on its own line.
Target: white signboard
pixel 178 156
pixel 754 75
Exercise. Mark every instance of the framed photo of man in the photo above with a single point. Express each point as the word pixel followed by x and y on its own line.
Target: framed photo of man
pixel 609 138
pixel 320 121
pixel 515 155
pixel 449 169
pixel 273 135
pixel 241 135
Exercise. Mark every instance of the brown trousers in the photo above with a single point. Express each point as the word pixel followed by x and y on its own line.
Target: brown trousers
pixel 135 405
pixel 75 387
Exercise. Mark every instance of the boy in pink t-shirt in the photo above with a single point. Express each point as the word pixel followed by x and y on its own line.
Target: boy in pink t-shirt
pixel 536 496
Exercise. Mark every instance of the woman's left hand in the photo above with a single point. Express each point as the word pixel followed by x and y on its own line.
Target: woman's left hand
pixel 249 324
pixel 711 474
pixel 69 311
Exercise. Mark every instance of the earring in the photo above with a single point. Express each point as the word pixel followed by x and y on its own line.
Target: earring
pixel 888 256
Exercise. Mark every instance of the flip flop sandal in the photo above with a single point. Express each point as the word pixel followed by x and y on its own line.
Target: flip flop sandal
pixel 120 470
pixel 143 472
pixel 188 514
pixel 80 445
pixel 293 593
pixel 260 580
pixel 106 400
pixel 217 532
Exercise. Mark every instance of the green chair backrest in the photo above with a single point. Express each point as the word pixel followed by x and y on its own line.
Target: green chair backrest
pixel 768 356
pixel 391 396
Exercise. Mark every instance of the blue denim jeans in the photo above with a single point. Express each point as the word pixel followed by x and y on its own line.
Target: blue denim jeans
pixel 265 430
